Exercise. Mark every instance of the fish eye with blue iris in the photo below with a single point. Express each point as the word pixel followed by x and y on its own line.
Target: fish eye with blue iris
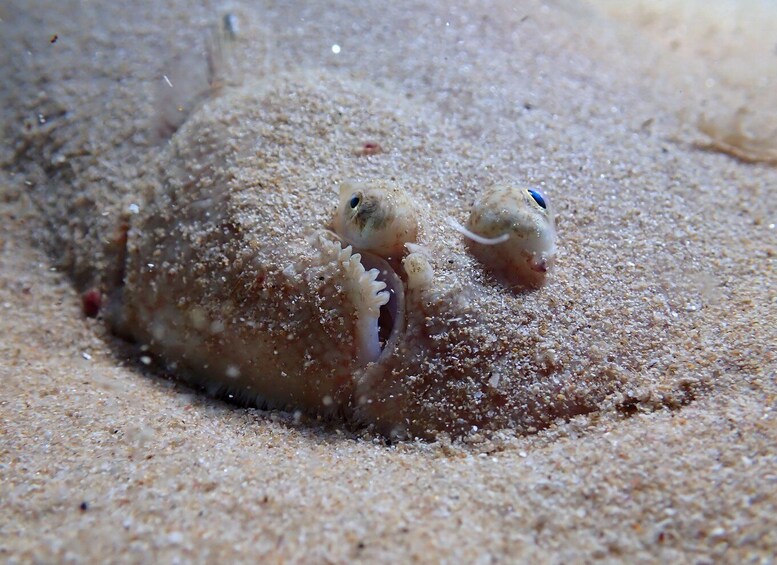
pixel 538 198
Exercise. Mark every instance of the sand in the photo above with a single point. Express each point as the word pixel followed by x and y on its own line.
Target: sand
pixel 103 458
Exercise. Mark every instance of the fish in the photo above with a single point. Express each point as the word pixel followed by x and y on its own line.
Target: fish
pixel 237 272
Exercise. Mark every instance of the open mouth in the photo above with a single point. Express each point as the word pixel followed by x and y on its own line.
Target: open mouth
pixel 391 314
pixel 378 296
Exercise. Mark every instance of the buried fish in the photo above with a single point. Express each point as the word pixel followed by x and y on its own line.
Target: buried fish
pixel 243 241
pixel 242 272
pixel 261 258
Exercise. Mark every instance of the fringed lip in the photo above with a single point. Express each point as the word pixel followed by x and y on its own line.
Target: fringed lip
pixel 391 316
pixel 378 295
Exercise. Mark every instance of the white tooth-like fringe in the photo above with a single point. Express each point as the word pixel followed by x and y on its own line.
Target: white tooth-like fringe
pixel 366 293
pixel 346 254
pixel 380 298
pixel 331 250
pixel 369 289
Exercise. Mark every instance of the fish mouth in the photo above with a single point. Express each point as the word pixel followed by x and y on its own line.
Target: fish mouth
pixel 377 294
pixel 390 319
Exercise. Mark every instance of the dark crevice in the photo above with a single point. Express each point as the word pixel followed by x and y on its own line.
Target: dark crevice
pixel 391 317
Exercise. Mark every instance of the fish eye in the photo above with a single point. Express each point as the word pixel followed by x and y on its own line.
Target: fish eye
pixel 354 201
pixel 538 198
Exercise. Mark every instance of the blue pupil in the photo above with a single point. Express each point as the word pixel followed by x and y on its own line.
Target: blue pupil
pixel 538 198
pixel 354 202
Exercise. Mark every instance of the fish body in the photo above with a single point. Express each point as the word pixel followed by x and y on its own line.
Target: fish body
pixel 227 247
pixel 242 273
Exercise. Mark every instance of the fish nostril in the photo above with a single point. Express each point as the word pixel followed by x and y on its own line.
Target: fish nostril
pixel 540 266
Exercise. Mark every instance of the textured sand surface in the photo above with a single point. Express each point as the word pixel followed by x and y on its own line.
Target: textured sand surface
pixel 100 457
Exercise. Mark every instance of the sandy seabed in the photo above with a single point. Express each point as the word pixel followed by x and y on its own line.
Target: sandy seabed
pixel 103 459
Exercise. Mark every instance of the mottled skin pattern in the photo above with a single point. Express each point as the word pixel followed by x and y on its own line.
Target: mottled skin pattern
pixel 210 234
pixel 524 216
pixel 233 281
pixel 379 216
pixel 207 294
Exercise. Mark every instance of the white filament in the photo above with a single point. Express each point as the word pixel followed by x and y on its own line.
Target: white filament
pixel 475 237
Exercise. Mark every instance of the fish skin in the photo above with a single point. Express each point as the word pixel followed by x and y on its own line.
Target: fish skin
pixel 269 155
pixel 232 277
